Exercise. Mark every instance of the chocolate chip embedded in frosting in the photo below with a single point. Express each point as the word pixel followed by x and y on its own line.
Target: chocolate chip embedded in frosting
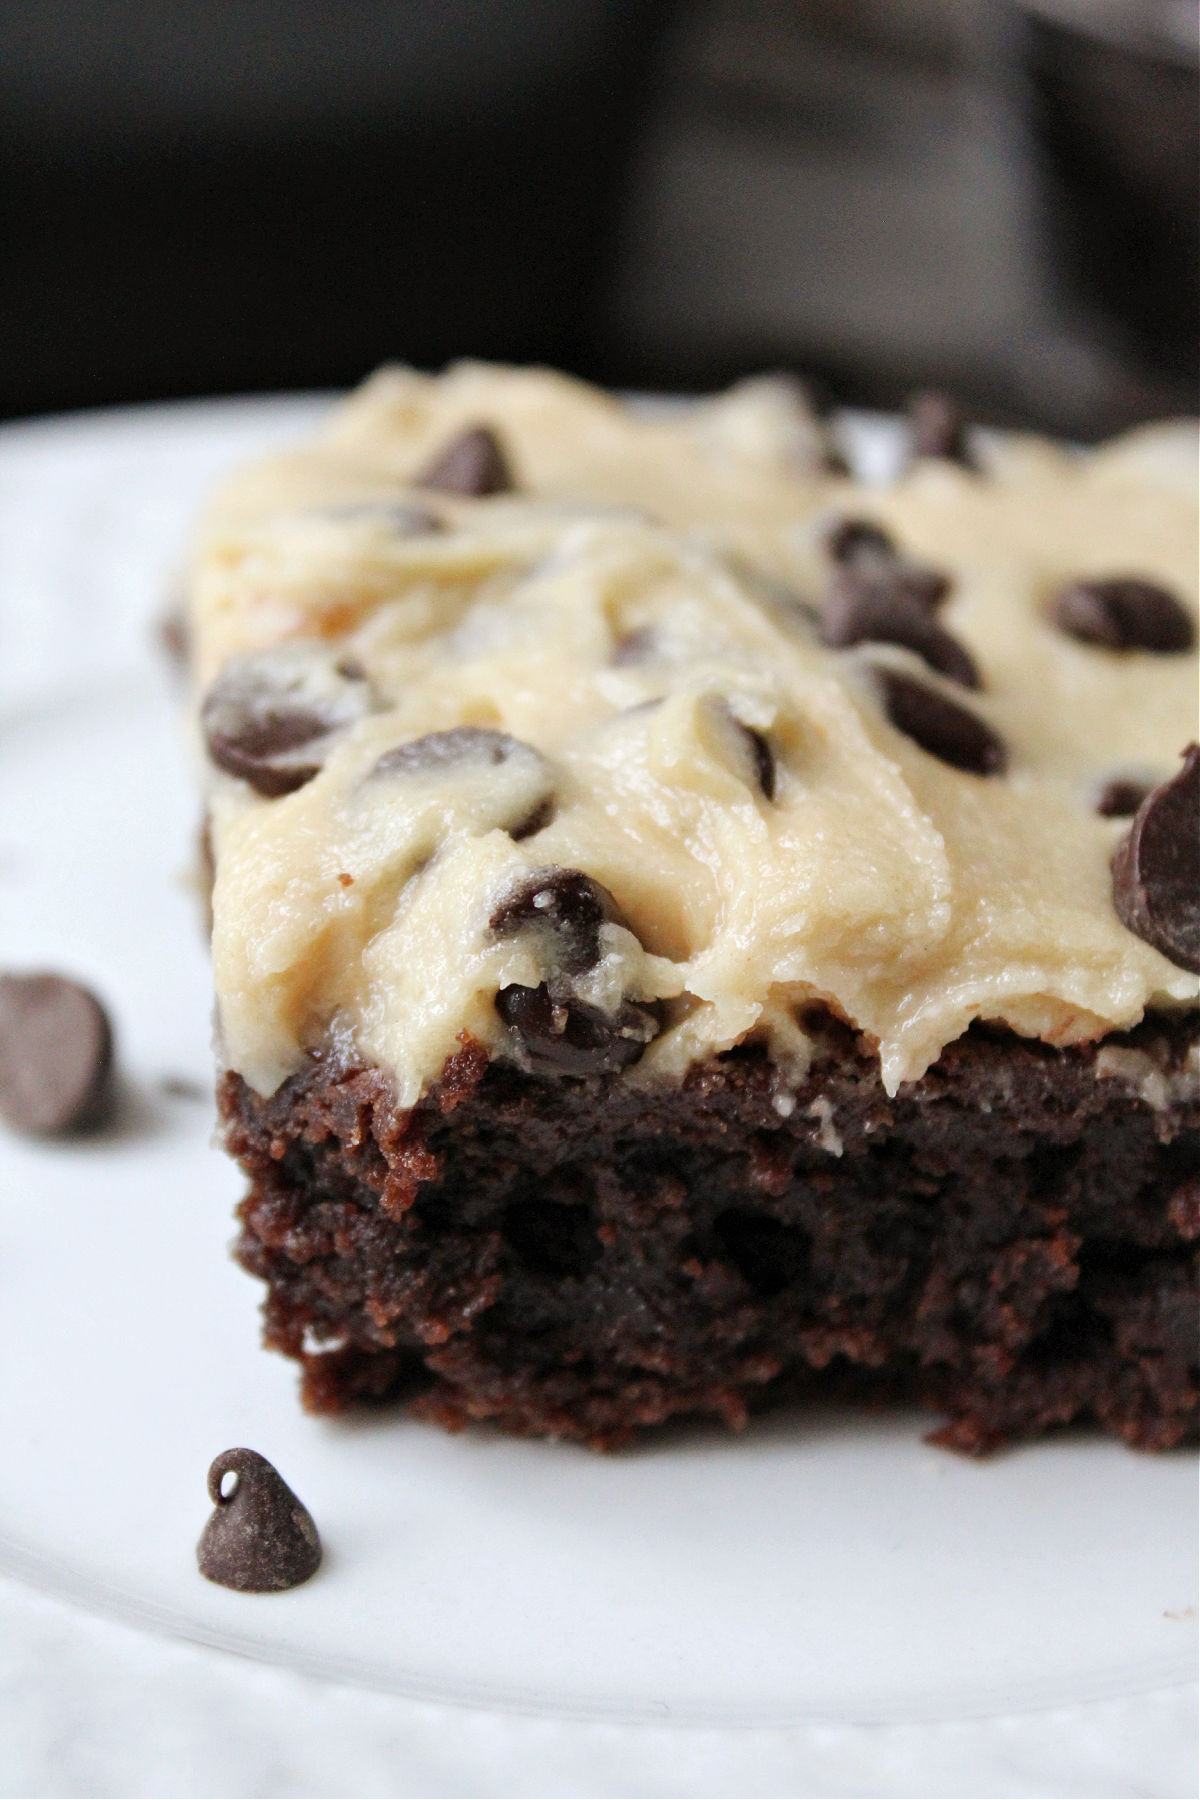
pixel 936 427
pixel 849 539
pixel 557 1036
pixel 1121 797
pixel 866 549
pixel 270 716
pixel 445 750
pixel 940 726
pixel 473 463
pixel 56 1055
pixel 1156 868
pixel 1124 613
pixel 873 606
pixel 260 1539
pixel 565 907
pixel 763 758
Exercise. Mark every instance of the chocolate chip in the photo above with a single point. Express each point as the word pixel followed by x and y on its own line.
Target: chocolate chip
pixel 56 1055
pixel 1156 868
pixel 568 1037
pixel 940 726
pixel 440 750
pixel 861 546
pixel 936 427
pixel 764 761
pixel 874 606
pixel 852 538
pixel 533 822
pixel 473 463
pixel 260 1539
pixel 1121 797
pixel 269 716
pixel 1124 613
pixel 566 907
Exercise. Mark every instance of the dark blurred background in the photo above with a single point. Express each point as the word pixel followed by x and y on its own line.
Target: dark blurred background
pixel 203 196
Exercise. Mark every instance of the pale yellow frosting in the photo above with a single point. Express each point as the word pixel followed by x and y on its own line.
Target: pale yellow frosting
pixel 907 895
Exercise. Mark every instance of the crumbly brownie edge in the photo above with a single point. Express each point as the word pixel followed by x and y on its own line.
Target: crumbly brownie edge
pixel 1012 1240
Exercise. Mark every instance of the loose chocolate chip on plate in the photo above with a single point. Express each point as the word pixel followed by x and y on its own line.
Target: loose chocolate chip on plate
pixel 568 1037
pixel 1121 797
pixel 473 463
pixel 940 726
pixel 56 1055
pixel 566 906
pixel 874 606
pixel 439 750
pixel 1156 868
pixel 936 427
pixel 1124 613
pixel 260 1539
pixel 269 716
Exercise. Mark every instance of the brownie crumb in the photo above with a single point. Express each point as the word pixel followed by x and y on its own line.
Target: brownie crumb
pixel 260 1539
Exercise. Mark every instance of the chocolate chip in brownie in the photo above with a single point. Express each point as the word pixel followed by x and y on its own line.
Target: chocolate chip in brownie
pixel 270 717
pixel 473 463
pixel 940 726
pixel 566 908
pixel 936 427
pixel 461 745
pixel 56 1055
pixel 874 605
pixel 1156 868
pixel 260 1539
pixel 568 1037
pixel 1121 797
pixel 1124 613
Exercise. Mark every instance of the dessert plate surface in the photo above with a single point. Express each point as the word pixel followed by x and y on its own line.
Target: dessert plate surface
pixel 821 1565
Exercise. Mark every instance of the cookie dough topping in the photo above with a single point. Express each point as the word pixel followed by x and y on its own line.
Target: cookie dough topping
pixel 775 763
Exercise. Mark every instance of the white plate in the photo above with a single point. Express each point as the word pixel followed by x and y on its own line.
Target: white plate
pixel 825 1565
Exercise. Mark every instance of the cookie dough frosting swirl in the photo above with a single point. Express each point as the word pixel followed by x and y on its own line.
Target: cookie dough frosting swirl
pixel 611 740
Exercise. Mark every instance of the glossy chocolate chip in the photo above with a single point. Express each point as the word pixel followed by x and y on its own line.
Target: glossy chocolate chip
pixel 441 750
pixel 936 427
pixel 260 1539
pixel 473 463
pixel 56 1055
pixel 940 726
pixel 567 1037
pixel 566 907
pixel 874 607
pixel 269 717
pixel 1125 613
pixel 1156 868
pixel 1120 797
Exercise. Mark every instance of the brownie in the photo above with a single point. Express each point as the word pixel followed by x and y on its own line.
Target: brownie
pixel 1011 1240
pixel 691 930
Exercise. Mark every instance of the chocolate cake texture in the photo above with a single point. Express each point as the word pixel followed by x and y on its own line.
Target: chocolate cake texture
pixel 691 930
